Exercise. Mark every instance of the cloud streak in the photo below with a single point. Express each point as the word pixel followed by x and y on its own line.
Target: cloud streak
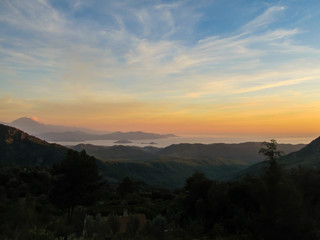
pixel 145 56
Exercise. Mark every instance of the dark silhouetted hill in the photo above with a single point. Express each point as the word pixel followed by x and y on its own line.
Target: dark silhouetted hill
pixel 242 152
pixel 308 156
pixel 20 148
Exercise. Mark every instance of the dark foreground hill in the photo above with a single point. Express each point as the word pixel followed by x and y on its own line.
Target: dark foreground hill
pixel 241 152
pixel 308 156
pixel 19 148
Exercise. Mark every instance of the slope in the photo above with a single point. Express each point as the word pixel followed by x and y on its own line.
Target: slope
pixel 308 156
pixel 19 148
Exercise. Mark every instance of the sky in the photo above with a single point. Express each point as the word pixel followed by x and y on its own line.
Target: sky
pixel 235 67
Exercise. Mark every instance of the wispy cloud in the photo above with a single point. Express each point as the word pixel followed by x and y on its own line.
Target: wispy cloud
pixel 146 53
pixel 278 84
pixel 263 20
pixel 32 15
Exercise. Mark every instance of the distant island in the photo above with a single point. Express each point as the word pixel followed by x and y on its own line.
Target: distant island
pixel 151 143
pixel 123 141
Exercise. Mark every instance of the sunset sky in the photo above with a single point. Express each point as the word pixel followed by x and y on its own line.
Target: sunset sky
pixel 238 66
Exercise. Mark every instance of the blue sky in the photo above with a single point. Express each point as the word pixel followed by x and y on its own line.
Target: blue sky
pixel 162 65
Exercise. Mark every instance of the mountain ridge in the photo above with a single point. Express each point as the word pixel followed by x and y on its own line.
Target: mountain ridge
pixel 239 153
pixel 34 127
pixel 20 148
pixel 57 133
pixel 307 156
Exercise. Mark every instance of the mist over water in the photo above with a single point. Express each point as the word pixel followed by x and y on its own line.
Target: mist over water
pixel 204 139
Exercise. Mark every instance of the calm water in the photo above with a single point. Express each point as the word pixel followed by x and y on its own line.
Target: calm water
pixel 195 139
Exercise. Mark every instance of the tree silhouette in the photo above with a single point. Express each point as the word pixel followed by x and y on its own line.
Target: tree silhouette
pixel 270 150
pixel 75 181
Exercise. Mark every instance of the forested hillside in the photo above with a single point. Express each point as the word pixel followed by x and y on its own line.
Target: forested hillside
pixel 20 148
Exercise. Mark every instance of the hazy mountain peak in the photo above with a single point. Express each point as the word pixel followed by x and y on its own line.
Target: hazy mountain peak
pixel 31 126
pixel 24 120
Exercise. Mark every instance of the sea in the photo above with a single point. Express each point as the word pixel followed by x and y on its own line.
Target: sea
pixel 204 139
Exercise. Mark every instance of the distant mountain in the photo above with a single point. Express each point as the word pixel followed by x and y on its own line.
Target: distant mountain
pixel 19 148
pixel 56 133
pixel 79 136
pixel 33 127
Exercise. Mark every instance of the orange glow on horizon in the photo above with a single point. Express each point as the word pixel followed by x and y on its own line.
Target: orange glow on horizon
pixel 284 125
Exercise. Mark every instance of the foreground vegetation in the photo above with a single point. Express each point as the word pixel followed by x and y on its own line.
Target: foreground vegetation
pixel 70 201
